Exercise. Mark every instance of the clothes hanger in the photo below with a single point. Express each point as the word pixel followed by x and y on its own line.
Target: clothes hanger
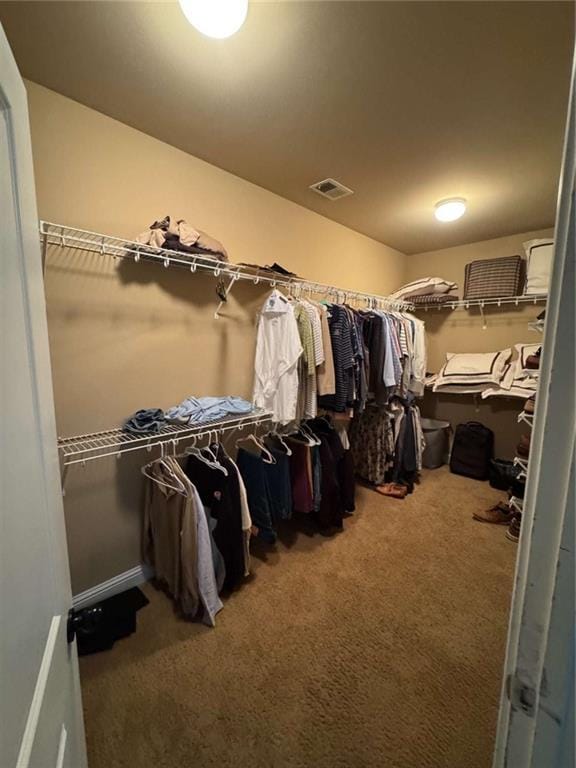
pixel 283 443
pixel 326 419
pixel 308 431
pixel 178 485
pixel 213 463
pixel 308 439
pixel 260 444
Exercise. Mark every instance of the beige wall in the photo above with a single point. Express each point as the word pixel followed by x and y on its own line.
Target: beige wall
pixel 125 336
pixel 462 331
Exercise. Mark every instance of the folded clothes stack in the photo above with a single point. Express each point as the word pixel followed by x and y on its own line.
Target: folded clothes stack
pixel 191 411
pixel 427 291
pixel 177 235
pixel 490 374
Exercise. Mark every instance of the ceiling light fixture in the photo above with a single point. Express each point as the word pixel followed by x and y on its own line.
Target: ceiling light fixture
pixel 450 210
pixel 215 18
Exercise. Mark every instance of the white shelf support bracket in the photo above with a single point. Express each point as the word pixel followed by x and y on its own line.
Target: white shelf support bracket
pixel 483 316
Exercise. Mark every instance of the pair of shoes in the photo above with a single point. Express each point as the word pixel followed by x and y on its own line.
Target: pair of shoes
pixel 523 447
pixel 529 405
pixel 395 490
pixel 513 532
pixel 533 361
pixel 499 514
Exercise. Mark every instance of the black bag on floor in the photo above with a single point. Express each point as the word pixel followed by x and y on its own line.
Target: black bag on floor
pixel 502 474
pixel 472 450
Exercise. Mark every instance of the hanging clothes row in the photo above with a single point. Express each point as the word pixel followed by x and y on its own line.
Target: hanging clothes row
pixel 387 442
pixel 201 508
pixel 197 528
pixel 332 356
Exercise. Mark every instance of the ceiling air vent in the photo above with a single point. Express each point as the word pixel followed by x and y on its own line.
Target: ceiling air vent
pixel 331 189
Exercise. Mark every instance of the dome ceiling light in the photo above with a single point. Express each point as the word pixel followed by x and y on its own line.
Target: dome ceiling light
pixel 215 18
pixel 451 209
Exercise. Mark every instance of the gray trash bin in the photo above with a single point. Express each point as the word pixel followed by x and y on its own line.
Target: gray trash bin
pixel 437 451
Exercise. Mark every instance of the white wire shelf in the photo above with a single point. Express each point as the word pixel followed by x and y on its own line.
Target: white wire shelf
pixel 488 302
pixel 115 442
pixel 106 245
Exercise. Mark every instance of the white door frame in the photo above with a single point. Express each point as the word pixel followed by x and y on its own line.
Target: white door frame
pixel 542 615
pixel 40 704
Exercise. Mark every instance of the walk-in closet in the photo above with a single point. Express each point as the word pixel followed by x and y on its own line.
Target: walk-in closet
pixel 288 384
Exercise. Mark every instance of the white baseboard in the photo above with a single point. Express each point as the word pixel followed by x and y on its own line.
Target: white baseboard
pixel 132 578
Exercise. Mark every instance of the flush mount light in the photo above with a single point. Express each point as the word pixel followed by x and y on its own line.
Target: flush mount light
pixel 450 210
pixel 215 18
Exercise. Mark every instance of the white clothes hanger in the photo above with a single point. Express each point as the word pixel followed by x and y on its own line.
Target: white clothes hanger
pixel 177 486
pixel 283 443
pixel 308 431
pixel 213 463
pixel 252 438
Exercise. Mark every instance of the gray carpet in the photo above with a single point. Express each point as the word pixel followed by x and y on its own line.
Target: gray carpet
pixel 382 646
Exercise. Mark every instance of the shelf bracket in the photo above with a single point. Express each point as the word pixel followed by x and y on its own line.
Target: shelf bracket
pixel 483 316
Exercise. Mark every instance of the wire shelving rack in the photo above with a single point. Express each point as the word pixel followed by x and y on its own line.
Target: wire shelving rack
pixel 80 449
pixel 488 302
pixel 107 245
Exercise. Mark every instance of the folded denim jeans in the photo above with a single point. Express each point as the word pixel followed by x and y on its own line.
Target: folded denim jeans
pixel 145 422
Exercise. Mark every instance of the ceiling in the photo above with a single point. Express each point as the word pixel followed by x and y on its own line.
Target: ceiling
pixel 405 102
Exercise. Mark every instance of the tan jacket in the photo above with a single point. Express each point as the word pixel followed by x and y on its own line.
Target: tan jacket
pixel 169 536
pixel 326 380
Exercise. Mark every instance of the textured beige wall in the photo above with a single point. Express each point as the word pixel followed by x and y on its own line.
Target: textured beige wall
pixel 461 331
pixel 125 336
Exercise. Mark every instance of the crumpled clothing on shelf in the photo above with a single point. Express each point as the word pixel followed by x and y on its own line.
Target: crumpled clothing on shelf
pixel 275 268
pixel 148 421
pixel 198 410
pixel 177 235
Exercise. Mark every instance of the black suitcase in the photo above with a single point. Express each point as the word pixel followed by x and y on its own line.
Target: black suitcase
pixel 472 450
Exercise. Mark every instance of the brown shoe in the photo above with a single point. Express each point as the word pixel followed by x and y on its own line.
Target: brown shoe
pixel 499 514
pixel 513 532
pixel 395 490
pixel 533 361
pixel 523 447
pixel 529 405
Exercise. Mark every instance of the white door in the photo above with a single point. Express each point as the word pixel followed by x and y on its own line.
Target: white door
pixel 40 706
pixel 536 724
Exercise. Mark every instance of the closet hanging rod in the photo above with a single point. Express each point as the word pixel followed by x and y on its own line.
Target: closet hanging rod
pixel 84 240
pixel 115 442
pixel 481 303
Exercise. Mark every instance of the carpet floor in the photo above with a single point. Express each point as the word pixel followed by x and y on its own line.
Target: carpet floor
pixel 379 647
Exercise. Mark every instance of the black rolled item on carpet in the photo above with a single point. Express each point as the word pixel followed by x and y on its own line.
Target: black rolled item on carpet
pixel 502 474
pixel 109 621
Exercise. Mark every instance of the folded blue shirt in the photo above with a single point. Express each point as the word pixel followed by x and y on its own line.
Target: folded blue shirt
pixel 197 410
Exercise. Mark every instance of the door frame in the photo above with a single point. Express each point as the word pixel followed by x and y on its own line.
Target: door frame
pixel 542 612
pixel 55 666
